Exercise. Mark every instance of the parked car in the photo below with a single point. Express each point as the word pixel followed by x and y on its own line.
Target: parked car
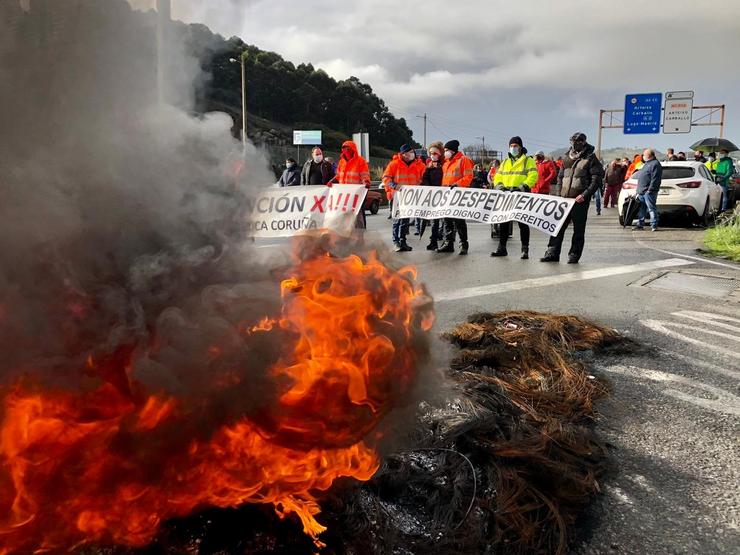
pixel 687 190
pixel 373 200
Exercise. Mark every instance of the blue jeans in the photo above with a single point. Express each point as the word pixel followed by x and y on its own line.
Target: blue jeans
pixel 597 197
pixel 400 230
pixel 725 195
pixel 648 204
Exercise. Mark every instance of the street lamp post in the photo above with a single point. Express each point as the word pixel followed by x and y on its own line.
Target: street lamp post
pixel 244 99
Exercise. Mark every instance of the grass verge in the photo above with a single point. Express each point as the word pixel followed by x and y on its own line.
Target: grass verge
pixel 724 239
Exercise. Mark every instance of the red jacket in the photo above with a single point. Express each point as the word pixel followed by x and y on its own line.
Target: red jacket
pixel 546 172
pixel 352 171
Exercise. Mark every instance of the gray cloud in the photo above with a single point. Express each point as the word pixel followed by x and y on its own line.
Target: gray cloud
pixel 571 57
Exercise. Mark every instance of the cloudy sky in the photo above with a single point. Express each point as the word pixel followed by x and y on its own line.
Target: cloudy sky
pixel 541 69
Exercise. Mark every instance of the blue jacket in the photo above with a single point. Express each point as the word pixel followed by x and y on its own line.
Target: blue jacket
pixel 649 177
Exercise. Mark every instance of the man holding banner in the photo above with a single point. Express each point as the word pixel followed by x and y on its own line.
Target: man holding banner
pixel 352 170
pixel 457 171
pixel 517 173
pixel 580 177
pixel 404 169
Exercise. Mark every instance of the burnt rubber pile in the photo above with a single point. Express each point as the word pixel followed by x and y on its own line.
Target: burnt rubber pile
pixel 507 466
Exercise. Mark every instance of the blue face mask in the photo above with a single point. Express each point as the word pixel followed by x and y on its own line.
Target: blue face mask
pixel 514 151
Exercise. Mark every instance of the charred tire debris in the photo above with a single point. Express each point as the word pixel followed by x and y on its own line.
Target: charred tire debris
pixel 507 466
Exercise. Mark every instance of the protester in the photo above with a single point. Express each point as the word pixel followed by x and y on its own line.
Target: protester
pixel 546 173
pixel 457 172
pixel 433 178
pixel 405 169
pixel 648 185
pixel 670 156
pixel 352 169
pixel 333 163
pixel 599 194
pixel 681 157
pixel 699 157
pixel 711 163
pixel 614 179
pixel 317 171
pixel 518 172
pixel 480 177
pixel 626 163
pixel 492 171
pixel 581 176
pixel 291 175
pixel 636 164
pixel 724 171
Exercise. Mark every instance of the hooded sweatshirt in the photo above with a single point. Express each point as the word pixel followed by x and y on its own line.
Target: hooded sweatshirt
pixel 354 170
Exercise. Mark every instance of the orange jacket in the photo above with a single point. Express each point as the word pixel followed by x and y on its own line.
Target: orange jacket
pixel 458 170
pixel 634 166
pixel 354 171
pixel 401 173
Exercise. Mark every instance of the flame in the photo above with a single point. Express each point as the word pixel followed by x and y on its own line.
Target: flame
pixel 83 467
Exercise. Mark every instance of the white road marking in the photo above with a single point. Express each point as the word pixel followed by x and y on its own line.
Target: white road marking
pixel 724 402
pixel 558 279
pixel 711 319
pixel 660 327
pixel 697 362
pixel 697 258
pixel 702 330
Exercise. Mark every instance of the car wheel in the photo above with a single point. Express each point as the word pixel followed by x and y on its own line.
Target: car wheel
pixel 374 207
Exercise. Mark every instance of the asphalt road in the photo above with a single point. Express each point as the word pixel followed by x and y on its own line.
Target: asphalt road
pixel 674 414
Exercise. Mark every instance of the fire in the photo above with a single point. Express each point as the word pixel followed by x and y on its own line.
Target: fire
pixel 80 467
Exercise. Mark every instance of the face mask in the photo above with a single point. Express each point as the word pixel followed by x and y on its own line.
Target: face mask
pixel 289 165
pixel 448 154
pixel 514 151
pixel 318 158
pixel 578 146
pixel 435 157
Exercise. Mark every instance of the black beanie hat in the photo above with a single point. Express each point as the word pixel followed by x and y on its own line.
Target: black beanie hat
pixel 405 148
pixel 453 145
pixel 516 141
pixel 578 137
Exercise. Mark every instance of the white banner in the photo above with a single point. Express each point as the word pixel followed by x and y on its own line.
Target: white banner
pixel 295 210
pixel 543 212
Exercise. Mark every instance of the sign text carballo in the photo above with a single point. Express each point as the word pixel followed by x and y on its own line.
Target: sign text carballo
pixel 543 212
pixel 642 113
pixel 296 210
pixel 678 112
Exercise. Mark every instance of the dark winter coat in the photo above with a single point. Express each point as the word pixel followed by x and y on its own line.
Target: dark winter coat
pixel 432 176
pixel 290 178
pixel 615 174
pixel 649 177
pixel 581 176
pixel 327 172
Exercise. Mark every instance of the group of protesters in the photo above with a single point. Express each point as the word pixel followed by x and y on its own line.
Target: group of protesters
pixel 578 175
